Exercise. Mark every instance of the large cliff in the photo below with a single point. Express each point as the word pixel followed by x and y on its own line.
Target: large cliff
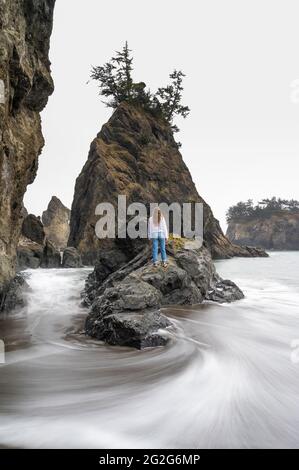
pixel 276 231
pixel 135 154
pixel 25 85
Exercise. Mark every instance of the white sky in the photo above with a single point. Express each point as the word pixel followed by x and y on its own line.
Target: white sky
pixel 241 139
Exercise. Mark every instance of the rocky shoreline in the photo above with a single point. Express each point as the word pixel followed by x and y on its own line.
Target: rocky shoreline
pixel 276 231
pixel 135 154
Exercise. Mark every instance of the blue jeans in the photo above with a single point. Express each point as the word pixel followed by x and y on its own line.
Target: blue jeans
pixel 158 239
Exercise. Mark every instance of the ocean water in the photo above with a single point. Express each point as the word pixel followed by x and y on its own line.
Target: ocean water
pixel 229 377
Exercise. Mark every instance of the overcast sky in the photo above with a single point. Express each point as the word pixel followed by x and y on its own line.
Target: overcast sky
pixel 241 139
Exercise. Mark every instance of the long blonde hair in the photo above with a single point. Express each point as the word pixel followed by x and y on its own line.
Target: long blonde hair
pixel 157 216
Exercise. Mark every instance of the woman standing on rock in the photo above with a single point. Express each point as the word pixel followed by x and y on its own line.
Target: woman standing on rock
pixel 158 233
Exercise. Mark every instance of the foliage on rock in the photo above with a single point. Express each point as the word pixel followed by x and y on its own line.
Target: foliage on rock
pixel 117 85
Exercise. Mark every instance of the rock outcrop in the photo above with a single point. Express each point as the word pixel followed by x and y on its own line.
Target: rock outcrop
pixel 42 241
pixel 25 85
pixel 71 258
pixel 135 154
pixel 29 254
pixel 34 249
pixel 125 302
pixel 51 256
pixel 33 229
pixel 56 221
pixel 14 296
pixel 276 231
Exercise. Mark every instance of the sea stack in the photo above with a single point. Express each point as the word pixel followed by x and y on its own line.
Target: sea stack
pixel 135 154
pixel 56 221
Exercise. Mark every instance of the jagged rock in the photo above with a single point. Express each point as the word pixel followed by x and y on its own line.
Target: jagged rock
pixel 107 263
pixel 34 250
pixel 123 316
pixel 56 223
pixel 71 258
pixel 199 267
pixel 101 279
pixel 131 329
pixel 174 284
pixel 28 259
pixel 277 231
pixel 135 154
pixel 223 291
pixel 32 229
pixel 51 256
pixel 33 255
pixel 25 29
pixel 13 294
pixel 29 254
pixel 256 252
pixel 130 294
pixel 127 297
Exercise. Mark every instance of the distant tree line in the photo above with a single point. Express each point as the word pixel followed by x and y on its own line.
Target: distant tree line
pixel 263 208
pixel 116 84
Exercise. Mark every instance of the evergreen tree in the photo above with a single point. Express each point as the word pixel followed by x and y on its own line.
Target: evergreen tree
pixel 169 98
pixel 115 79
pixel 116 84
pixel 124 70
pixel 264 208
pixel 293 205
